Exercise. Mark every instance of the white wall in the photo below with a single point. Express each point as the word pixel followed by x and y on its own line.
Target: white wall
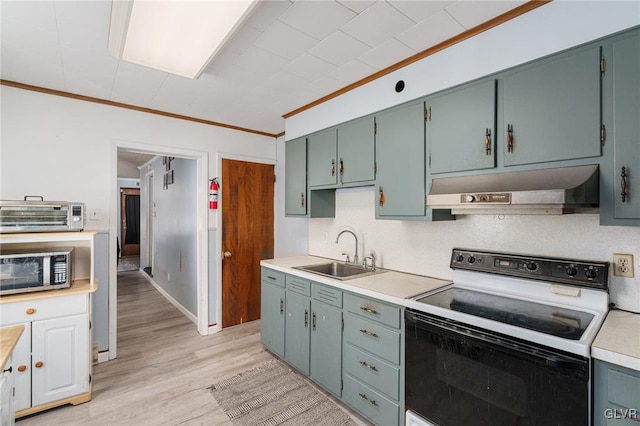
pixel 551 28
pixel 65 149
pixel 425 247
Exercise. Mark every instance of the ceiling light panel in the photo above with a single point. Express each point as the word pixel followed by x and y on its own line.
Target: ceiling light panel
pixel 180 37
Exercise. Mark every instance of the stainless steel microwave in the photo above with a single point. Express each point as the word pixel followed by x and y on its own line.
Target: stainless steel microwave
pixel 40 216
pixel 34 270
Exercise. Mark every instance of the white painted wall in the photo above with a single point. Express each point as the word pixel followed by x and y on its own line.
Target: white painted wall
pixel 554 27
pixel 65 149
pixel 425 247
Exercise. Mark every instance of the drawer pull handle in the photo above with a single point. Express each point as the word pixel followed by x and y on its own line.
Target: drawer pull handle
pixel 509 137
pixel 369 310
pixel 281 306
pixel 30 311
pixel 368 333
pixel 271 278
pixel 623 184
pixel 369 366
pixel 369 400
pixel 313 321
pixel 39 364
pixel 487 141
pixel 306 318
pixel 22 368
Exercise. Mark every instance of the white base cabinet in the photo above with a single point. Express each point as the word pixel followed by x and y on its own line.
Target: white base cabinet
pixel 52 360
pixel 7 407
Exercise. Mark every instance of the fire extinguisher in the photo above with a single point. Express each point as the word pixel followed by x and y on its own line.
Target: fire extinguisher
pixel 213 194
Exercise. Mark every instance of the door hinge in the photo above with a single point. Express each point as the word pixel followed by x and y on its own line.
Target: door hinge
pixel 90 378
pixel 375 167
pixel 603 65
pixel 429 160
pixel 603 135
pixel 341 384
pixel 375 127
pixel 342 324
pixel 90 325
pixel 427 114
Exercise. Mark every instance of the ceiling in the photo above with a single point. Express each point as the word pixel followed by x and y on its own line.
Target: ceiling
pixel 286 54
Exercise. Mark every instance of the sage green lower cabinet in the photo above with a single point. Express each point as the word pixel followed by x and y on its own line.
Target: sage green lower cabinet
pixel 326 346
pixel 616 395
pixel 373 359
pixel 297 323
pixel 272 301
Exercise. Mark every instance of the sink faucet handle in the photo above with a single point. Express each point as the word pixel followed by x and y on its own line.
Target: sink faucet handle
pixel 372 257
pixel 348 260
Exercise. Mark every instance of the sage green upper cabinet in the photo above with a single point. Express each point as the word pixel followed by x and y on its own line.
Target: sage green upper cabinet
pixel 356 153
pixel 400 154
pixel 322 165
pixel 620 175
pixel 461 128
pixel 295 203
pixel 551 109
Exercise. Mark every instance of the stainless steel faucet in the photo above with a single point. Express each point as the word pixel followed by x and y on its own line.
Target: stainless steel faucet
pixel 355 257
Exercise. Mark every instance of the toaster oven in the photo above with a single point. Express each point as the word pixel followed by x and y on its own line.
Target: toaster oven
pixel 34 270
pixel 40 216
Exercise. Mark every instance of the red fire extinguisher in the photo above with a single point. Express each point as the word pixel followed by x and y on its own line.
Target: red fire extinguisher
pixel 213 193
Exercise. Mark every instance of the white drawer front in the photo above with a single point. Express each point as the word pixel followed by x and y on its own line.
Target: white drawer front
pixel 40 309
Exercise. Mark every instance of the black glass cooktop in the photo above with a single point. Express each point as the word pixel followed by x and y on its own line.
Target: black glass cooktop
pixel 560 322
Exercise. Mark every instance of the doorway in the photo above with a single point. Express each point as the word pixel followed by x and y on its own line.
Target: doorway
pixel 247 236
pixel 130 221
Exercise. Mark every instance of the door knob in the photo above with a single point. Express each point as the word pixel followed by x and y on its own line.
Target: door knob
pixel 227 254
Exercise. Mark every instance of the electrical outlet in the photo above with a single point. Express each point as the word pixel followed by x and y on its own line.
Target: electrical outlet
pixel 93 215
pixel 622 265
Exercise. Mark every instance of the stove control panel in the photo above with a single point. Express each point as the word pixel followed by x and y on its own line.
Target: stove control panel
pixel 566 271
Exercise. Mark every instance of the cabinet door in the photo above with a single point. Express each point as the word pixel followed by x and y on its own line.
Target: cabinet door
pixel 400 146
pixel 297 328
pixel 22 369
pixel 356 151
pixel 60 358
pixel 322 165
pixel 295 203
pixel 461 128
pixel 626 121
pixel 272 301
pixel 553 110
pixel 7 408
pixel 326 346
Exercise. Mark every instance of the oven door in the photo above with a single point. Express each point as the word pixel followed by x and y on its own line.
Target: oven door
pixel 458 375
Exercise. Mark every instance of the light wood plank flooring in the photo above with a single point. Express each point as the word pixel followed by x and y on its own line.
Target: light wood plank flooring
pixel 163 367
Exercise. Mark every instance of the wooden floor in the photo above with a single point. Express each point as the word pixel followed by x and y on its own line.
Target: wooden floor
pixel 163 367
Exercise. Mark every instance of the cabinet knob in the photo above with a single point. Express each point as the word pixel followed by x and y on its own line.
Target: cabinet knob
pixel 30 311
pixel 22 368
pixel 39 364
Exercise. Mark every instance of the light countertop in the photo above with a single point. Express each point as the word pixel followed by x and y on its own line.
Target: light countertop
pixel 618 341
pixel 390 286
pixel 77 287
pixel 9 337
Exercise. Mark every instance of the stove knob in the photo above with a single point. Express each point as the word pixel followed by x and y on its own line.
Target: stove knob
pixel 571 271
pixel 532 266
pixel 459 258
pixel 591 273
pixel 471 259
pixel 469 198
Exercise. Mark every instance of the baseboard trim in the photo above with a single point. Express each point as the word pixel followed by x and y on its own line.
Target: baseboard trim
pixel 173 301
pixel 103 356
pixel 214 328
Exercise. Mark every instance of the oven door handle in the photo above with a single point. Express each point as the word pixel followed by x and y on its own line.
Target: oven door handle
pixel 551 359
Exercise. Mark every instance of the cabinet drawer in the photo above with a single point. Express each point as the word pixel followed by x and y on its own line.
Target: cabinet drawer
pixel 373 371
pixel 623 389
pixel 370 403
pixel 15 313
pixel 373 338
pixel 298 285
pixel 273 277
pixel 373 309
pixel 325 294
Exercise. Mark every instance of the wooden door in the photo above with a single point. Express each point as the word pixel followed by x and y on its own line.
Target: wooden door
pixel 247 236
pixel 130 221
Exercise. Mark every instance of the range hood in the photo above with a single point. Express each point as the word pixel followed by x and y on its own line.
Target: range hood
pixel 546 191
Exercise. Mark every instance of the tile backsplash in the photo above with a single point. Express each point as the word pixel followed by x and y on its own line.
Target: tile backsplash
pixel 425 247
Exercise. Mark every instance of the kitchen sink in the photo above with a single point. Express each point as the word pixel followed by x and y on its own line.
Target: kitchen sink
pixel 339 270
